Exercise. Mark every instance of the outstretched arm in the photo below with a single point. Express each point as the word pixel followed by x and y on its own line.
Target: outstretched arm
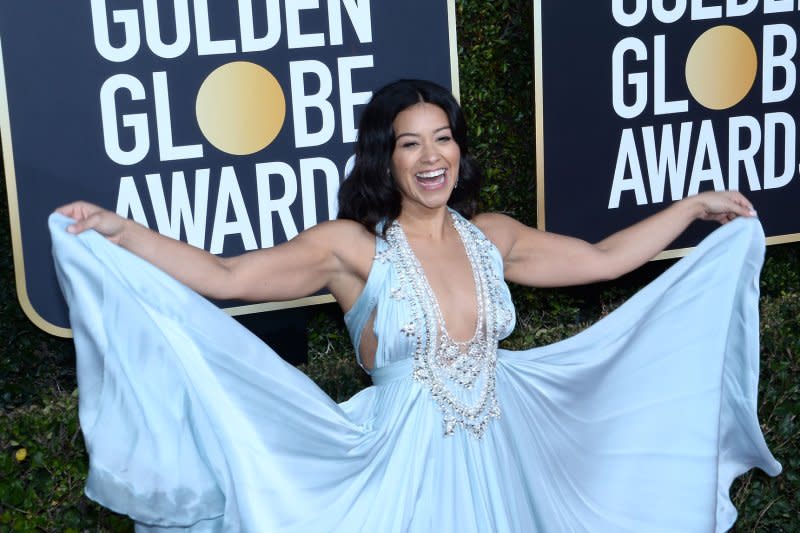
pixel 541 259
pixel 312 260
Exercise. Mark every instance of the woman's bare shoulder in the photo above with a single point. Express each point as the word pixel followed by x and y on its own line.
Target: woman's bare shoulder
pixel 354 248
pixel 501 229
pixel 340 229
pixel 346 239
pixel 493 221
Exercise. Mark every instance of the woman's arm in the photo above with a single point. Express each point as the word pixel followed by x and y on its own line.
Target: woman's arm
pixel 541 259
pixel 314 259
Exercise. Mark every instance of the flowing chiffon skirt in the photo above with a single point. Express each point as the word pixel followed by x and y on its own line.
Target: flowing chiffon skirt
pixel 639 423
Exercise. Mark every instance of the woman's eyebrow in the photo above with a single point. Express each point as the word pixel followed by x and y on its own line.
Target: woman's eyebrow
pixel 411 134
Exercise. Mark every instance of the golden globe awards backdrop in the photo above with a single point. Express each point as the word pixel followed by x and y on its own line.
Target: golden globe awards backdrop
pixel 640 103
pixel 228 124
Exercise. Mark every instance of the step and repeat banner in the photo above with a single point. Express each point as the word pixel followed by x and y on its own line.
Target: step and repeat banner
pixel 227 124
pixel 640 103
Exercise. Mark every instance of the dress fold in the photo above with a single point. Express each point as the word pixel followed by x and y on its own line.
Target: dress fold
pixel 639 423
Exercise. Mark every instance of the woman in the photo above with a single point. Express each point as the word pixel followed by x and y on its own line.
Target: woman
pixel 638 424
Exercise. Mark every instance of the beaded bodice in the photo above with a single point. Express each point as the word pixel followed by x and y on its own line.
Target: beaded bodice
pixel 460 377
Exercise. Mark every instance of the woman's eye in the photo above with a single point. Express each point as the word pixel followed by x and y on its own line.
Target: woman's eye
pixel 445 138
pixel 409 144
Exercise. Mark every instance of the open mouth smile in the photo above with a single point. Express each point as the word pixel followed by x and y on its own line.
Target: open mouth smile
pixel 432 179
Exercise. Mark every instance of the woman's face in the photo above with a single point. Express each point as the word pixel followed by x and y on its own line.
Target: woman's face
pixel 426 156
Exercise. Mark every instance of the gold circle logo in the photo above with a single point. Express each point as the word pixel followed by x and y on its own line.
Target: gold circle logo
pixel 721 67
pixel 240 108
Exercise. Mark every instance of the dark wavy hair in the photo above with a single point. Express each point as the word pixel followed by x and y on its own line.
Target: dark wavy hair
pixel 370 194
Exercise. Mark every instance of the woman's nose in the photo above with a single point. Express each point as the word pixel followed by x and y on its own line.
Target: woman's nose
pixel 430 153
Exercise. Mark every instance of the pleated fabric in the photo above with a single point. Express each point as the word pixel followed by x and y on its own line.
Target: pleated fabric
pixel 639 423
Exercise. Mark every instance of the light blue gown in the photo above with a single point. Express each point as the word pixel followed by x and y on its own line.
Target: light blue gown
pixel 640 423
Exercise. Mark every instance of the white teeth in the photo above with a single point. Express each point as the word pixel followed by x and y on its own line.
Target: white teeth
pixel 431 173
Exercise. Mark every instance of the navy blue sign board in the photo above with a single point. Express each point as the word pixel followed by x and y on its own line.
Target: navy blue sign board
pixel 228 124
pixel 640 103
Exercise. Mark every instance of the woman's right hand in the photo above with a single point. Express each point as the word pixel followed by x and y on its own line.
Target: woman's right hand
pixel 90 216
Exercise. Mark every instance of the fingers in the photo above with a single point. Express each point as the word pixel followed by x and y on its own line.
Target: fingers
pixel 728 202
pixel 743 206
pixel 85 215
pixel 91 217
pixel 724 206
pixel 69 210
pixel 77 210
pixel 78 227
pixel 90 221
pixel 742 210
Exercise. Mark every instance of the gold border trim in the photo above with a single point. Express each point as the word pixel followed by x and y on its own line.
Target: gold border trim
pixel 783 239
pixel 451 32
pixel 680 252
pixel 274 306
pixel 673 254
pixel 538 98
pixel 13 214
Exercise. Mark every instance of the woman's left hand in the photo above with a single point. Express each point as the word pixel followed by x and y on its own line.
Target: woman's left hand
pixel 722 206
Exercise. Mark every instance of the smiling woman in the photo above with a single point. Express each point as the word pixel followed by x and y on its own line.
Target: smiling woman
pixel 413 109
pixel 425 159
pixel 640 423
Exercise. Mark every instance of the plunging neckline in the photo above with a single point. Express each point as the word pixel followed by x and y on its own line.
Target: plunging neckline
pixel 476 288
pixel 460 376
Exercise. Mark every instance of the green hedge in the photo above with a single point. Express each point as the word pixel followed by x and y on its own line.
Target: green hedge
pixel 42 459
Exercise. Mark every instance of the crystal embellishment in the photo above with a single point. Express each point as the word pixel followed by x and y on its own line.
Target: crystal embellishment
pixel 459 375
pixel 383 256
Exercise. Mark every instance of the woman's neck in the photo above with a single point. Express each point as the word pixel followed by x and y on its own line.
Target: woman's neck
pixel 433 224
